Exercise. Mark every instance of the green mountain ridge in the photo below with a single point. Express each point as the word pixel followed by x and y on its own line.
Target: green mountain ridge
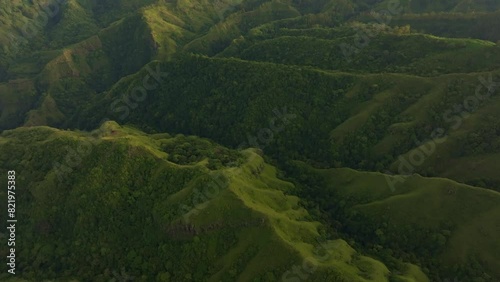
pixel 397 107
pixel 82 220
pixel 371 127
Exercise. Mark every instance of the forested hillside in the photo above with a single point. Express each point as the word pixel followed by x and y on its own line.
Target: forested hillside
pixel 164 208
pixel 368 126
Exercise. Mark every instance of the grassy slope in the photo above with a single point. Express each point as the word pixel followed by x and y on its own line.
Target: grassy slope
pixel 459 25
pixel 109 46
pixel 383 51
pixel 123 204
pixel 161 30
pixel 413 215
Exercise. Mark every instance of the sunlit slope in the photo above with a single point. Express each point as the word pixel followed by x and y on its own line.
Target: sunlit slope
pixel 67 76
pixel 161 207
pixel 68 69
pixel 369 48
pixel 446 227
pixel 71 75
pixel 459 25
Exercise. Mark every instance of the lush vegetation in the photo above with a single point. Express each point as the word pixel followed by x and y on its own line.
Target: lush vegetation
pixel 436 223
pixel 382 116
pixel 111 200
